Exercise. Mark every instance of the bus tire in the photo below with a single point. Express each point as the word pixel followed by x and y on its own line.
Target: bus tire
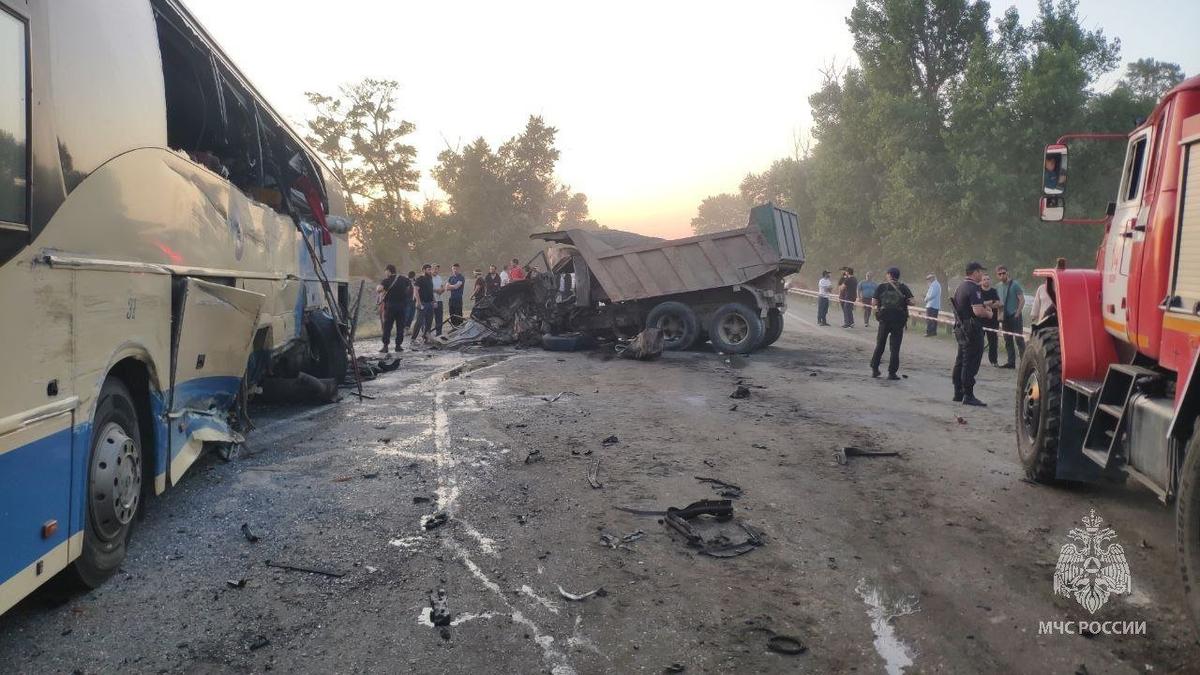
pixel 1039 406
pixel 678 323
pixel 1187 526
pixel 735 329
pixel 774 327
pixel 114 485
pixel 327 354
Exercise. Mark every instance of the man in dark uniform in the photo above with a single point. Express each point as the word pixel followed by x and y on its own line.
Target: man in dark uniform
pixel 891 300
pixel 969 314
pixel 396 293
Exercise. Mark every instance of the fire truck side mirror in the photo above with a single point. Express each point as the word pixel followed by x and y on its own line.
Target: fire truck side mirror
pixel 1054 170
pixel 1052 208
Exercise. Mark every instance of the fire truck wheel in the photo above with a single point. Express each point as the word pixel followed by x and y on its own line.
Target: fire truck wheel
pixel 1187 525
pixel 678 324
pixel 114 487
pixel 774 327
pixel 735 329
pixel 1039 406
pixel 327 354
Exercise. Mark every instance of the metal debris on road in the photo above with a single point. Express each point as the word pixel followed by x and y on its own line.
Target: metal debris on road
pixel 250 536
pixel 239 583
pixel 422 500
pixel 843 456
pixel 719 546
pixel 727 490
pixel 615 542
pixel 310 570
pixel 599 593
pixel 557 396
pixel 647 346
pixel 593 476
pixel 741 392
pixel 439 612
pixel 373 474
pixel 675 668
pixel 534 456
pixel 258 643
pixel 611 440
pixel 434 520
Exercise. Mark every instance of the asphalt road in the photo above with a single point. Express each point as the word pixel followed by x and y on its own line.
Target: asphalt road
pixel 939 560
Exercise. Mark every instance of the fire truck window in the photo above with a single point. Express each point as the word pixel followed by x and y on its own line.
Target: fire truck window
pixel 1133 170
pixel 14 121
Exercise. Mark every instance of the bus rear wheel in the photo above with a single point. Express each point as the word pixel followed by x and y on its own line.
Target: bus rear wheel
pixel 114 485
pixel 1039 406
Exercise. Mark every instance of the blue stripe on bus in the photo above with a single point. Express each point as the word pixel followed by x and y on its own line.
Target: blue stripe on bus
pixel 35 487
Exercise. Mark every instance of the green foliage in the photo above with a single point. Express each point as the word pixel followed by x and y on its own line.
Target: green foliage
pixel 719 213
pixel 928 152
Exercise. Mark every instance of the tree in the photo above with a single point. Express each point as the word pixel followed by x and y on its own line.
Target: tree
pixel 359 133
pixel 575 214
pixel 1149 79
pixel 719 213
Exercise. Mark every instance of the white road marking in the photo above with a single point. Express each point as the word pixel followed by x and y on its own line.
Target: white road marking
pixel 896 655
pixel 529 592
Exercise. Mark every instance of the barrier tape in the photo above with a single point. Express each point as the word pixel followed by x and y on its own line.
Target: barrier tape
pixel 913 312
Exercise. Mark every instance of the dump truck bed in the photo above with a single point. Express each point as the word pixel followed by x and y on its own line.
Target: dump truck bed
pixel 639 267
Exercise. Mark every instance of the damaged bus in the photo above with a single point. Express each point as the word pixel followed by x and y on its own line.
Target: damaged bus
pixel 165 241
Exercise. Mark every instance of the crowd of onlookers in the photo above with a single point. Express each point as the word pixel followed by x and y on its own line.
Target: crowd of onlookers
pixel 423 303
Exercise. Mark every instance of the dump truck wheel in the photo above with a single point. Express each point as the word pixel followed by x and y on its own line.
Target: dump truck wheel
pixel 1039 406
pixel 735 329
pixel 774 327
pixel 114 485
pixel 327 355
pixel 678 324
pixel 1187 526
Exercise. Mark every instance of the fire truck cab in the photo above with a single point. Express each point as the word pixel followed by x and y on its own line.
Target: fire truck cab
pixel 1108 386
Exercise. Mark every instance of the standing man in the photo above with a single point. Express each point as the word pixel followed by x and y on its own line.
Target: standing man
pixel 439 289
pixel 866 293
pixel 455 285
pixel 515 273
pixel 395 299
pixel 823 288
pixel 969 310
pixel 410 308
pixel 933 304
pixel 424 292
pixel 1012 298
pixel 890 300
pixel 991 300
pixel 848 293
pixel 492 281
pixel 479 289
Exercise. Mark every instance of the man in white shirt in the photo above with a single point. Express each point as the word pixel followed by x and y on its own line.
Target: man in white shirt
pixel 503 277
pixel 439 287
pixel 933 303
pixel 824 286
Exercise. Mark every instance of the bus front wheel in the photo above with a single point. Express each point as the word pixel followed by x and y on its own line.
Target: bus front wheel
pixel 114 486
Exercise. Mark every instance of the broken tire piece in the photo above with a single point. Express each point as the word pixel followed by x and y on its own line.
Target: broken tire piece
pixel 611 440
pixel 740 392
pixel 786 644
pixel 435 520
pixel 250 536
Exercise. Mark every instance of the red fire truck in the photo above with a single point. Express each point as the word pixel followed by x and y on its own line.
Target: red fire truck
pixel 1109 385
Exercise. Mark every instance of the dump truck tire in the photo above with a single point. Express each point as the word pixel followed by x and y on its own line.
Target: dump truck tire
pixel 114 485
pixel 735 329
pixel 1039 406
pixel 327 354
pixel 774 327
pixel 1187 526
pixel 678 323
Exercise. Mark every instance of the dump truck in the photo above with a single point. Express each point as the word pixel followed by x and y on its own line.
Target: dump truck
pixel 725 287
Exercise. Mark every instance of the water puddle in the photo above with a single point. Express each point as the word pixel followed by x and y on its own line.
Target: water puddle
pixel 896 655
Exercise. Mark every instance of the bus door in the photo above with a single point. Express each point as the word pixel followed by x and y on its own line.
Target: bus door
pixel 214 330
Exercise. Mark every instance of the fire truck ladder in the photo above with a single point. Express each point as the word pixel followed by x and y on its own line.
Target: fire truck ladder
pixel 1108 423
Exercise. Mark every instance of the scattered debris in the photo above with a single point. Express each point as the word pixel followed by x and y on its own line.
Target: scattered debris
pixel 439 610
pixel 239 583
pixel 759 446
pixel 422 500
pixel 843 456
pixel 733 408
pixel 373 474
pixel 741 392
pixel 310 570
pixel 250 536
pixel 303 388
pixel 593 476
pixel 258 643
pixel 675 668
pixel 534 455
pixel 709 463
pixel 611 440
pixel 727 490
pixel 342 479
pixel 1146 545
pixel 614 542
pixel 599 593
pixel 558 396
pixel 786 644
pixel 647 346
pixel 434 520
pixel 959 419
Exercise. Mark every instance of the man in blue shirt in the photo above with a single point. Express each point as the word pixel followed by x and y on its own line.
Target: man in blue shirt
pixel 866 293
pixel 1012 299
pixel 455 285
pixel 933 304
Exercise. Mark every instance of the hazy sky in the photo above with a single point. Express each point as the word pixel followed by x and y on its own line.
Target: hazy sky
pixel 658 104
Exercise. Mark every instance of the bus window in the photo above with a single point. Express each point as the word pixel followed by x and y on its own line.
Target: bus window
pixel 14 121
